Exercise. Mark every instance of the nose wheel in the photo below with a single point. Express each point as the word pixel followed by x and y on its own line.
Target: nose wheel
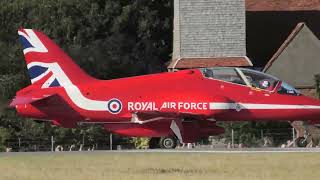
pixel 301 142
pixel 304 133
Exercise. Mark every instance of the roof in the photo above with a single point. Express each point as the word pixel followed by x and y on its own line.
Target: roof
pixel 285 44
pixel 282 5
pixel 186 63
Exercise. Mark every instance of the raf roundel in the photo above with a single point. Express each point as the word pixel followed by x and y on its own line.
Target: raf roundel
pixel 114 106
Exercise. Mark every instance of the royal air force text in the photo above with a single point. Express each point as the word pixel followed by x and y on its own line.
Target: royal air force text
pixel 152 106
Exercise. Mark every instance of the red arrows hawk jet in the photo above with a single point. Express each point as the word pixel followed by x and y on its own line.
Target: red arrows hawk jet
pixel 183 105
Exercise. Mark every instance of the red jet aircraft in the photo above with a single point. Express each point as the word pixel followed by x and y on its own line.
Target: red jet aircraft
pixel 183 105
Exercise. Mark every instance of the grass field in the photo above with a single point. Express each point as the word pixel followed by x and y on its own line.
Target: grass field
pixel 164 166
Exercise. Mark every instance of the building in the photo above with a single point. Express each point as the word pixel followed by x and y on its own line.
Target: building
pixel 270 22
pixel 209 33
pixel 279 37
pixel 283 40
pixel 298 57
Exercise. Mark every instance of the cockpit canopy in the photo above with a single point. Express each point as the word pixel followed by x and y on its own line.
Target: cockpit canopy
pixel 250 78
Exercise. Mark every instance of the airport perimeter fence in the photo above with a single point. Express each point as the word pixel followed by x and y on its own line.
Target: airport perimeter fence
pixel 234 139
pixel 273 138
pixel 67 143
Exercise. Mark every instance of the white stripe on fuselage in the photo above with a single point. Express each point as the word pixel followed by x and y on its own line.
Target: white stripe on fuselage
pixel 226 106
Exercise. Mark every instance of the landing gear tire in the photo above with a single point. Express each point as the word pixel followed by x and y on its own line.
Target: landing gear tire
pixel 301 142
pixel 168 143
pixel 154 143
pixel 39 121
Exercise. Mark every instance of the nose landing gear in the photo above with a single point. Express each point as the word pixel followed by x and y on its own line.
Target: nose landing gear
pixel 307 135
pixel 301 142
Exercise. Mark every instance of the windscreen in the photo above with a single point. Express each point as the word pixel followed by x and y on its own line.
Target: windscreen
pixel 287 89
pixel 224 74
pixel 260 80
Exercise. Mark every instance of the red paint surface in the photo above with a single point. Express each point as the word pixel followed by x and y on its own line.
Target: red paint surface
pixel 188 86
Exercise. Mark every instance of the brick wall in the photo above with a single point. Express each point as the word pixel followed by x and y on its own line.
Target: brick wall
pixel 209 28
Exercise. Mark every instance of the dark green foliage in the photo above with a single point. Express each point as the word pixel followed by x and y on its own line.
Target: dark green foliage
pixel 109 39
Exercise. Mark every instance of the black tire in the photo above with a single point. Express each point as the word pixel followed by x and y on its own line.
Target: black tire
pixel 168 142
pixel 154 143
pixel 39 121
pixel 301 142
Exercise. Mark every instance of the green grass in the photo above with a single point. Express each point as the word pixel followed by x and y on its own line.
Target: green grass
pixel 164 166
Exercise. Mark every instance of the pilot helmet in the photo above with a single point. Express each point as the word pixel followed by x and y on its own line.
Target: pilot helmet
pixel 265 84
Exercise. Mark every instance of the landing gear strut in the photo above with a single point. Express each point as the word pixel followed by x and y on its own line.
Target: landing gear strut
pixel 307 135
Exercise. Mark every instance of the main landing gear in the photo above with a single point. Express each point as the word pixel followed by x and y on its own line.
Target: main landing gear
pixel 301 142
pixel 163 143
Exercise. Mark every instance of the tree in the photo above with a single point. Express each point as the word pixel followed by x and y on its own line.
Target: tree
pixel 4 135
pixel 109 39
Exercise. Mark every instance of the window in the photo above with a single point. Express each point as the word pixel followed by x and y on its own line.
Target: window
pixel 224 74
pixel 260 80
pixel 287 89
pixel 250 78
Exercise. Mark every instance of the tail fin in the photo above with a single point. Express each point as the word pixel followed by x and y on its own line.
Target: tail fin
pixel 48 65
